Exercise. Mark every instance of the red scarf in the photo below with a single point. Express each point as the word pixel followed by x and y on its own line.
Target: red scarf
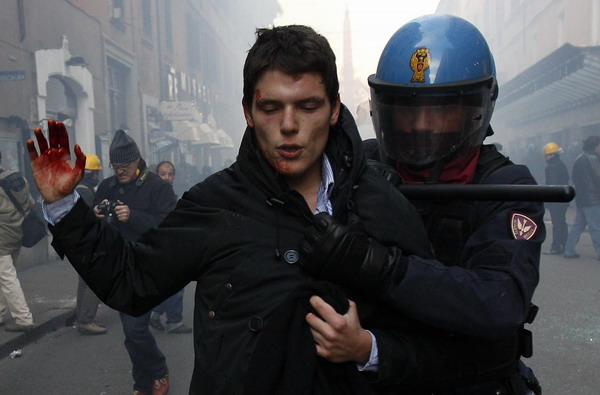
pixel 460 170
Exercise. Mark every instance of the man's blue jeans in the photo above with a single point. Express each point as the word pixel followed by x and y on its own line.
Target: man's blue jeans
pixel 585 216
pixel 148 361
pixel 173 308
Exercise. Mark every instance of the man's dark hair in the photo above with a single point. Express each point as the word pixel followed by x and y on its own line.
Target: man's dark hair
pixel 168 162
pixel 292 49
pixel 590 143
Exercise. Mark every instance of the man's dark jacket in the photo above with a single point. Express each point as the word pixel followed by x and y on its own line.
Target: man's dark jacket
pixel 586 177
pixel 85 189
pixel 556 174
pixel 556 171
pixel 237 234
pixel 149 198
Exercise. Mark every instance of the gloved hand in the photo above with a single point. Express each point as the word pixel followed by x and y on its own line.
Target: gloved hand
pixel 342 254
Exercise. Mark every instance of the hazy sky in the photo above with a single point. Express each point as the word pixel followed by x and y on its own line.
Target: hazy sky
pixel 373 23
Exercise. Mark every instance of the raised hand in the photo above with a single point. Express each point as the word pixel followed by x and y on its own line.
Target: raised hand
pixel 53 173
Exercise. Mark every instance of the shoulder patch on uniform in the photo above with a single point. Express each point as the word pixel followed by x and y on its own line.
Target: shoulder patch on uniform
pixel 522 227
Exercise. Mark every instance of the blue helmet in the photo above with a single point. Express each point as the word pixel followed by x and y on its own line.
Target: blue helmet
pixel 434 91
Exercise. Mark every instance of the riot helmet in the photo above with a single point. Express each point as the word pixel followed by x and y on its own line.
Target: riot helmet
pixel 433 94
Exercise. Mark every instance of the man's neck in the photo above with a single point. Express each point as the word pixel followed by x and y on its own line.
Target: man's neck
pixel 308 186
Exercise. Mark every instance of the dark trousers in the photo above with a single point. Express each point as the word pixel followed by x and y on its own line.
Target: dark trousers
pixel 148 361
pixel 87 303
pixel 560 230
pixel 172 307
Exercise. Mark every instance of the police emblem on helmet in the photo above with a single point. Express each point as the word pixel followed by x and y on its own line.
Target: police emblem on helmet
pixel 419 62
pixel 523 227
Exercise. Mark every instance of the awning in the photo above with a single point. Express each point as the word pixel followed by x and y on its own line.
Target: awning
pixel 194 132
pixel 225 140
pixel 164 144
pixel 566 79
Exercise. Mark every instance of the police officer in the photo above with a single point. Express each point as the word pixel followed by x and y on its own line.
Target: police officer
pixel 432 98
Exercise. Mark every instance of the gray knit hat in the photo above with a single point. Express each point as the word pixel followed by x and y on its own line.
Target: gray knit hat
pixel 123 148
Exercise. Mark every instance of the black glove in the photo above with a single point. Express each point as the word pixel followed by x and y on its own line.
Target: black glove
pixel 344 255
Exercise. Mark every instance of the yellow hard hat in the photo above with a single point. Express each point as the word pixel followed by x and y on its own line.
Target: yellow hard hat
pixel 92 162
pixel 551 148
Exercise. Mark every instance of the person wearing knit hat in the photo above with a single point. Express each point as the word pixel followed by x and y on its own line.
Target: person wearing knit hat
pixel 123 148
pixel 136 199
pixel 125 158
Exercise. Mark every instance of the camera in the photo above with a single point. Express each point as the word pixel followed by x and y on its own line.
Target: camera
pixel 107 208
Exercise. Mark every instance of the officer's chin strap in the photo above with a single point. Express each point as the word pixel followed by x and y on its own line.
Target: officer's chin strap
pixel 436 171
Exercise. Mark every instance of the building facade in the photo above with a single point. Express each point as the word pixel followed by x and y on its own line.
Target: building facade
pixel 547 56
pixel 168 71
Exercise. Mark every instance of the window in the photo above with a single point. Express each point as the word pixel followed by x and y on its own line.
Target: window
pixel 61 102
pixel 118 78
pixel 168 26
pixel 147 18
pixel 117 9
pixel 193 45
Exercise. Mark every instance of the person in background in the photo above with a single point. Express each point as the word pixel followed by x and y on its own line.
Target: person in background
pixel 166 171
pixel 556 174
pixel 586 178
pixel 132 201
pixel 12 298
pixel 172 307
pixel 87 301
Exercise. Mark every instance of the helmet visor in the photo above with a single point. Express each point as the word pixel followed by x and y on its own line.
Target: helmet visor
pixel 421 128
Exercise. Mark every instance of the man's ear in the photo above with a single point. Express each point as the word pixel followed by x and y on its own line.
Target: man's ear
pixel 335 111
pixel 248 114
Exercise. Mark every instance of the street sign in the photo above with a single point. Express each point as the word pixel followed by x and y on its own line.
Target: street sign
pixel 177 110
pixel 12 75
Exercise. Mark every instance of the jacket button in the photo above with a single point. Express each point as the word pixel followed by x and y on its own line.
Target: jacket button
pixel 255 324
pixel 228 287
pixel 211 314
pixel 291 256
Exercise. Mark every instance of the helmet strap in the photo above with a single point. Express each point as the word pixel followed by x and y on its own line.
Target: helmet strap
pixel 436 171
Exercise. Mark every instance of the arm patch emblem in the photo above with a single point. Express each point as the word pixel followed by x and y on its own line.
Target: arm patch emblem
pixel 522 227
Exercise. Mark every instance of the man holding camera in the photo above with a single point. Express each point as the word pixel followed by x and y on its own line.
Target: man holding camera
pixel 133 200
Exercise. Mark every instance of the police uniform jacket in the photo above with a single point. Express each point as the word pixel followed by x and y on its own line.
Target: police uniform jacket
pixel 237 234
pixel 478 291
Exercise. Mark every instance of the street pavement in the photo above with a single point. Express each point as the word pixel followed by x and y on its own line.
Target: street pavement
pixel 50 290
pixel 566 332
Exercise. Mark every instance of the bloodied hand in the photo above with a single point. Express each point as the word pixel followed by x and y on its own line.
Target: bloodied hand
pixel 54 174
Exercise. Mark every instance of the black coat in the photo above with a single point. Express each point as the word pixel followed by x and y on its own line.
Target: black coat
pixel 586 178
pixel 479 301
pixel 556 172
pixel 149 198
pixel 238 235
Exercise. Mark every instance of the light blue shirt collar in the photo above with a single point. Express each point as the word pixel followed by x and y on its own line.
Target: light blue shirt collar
pixel 325 189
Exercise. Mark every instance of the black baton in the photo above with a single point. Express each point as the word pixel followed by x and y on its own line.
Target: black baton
pixel 509 192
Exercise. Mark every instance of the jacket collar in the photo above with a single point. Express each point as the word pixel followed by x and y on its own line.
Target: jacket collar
pixel 343 150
